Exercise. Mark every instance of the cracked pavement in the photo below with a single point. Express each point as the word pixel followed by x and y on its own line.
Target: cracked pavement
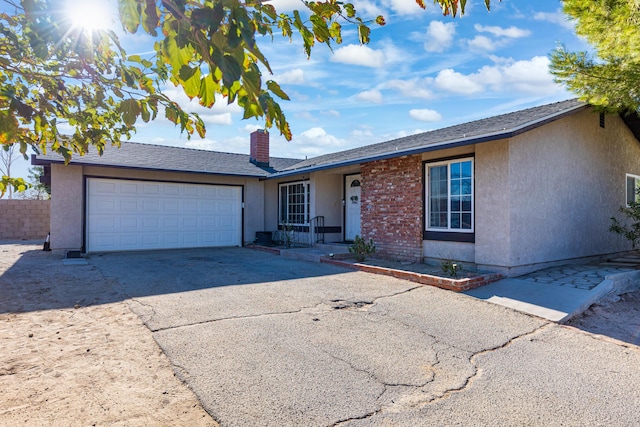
pixel 269 341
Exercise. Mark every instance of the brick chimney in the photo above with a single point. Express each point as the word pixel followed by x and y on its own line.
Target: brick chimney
pixel 260 148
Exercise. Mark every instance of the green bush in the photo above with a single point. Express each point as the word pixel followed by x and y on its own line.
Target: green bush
pixel 629 231
pixel 451 268
pixel 362 249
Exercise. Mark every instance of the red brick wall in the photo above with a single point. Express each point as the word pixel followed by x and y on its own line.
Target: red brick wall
pixel 24 219
pixel 260 147
pixel 392 207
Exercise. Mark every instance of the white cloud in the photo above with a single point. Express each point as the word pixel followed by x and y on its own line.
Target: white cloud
pixel 511 32
pixel 229 145
pixel 414 88
pixel 223 119
pixel 425 115
pixel 333 113
pixel 439 36
pixel 529 76
pixel 252 128
pixel 455 82
pixel 368 8
pixel 483 43
pixel 293 77
pixel 359 55
pixel 312 142
pixel 286 5
pixel 403 7
pixel 370 96
pixel 526 76
pixel 557 17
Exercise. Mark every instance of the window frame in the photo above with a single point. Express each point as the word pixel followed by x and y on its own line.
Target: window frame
pixel 441 231
pixel 626 188
pixel 306 203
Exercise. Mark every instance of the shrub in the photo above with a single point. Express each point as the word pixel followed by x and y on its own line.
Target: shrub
pixel 362 249
pixel 451 268
pixel 629 231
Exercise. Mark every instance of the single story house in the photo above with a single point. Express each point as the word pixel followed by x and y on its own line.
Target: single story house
pixel 510 193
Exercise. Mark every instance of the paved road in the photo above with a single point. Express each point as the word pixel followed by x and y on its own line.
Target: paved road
pixel 268 341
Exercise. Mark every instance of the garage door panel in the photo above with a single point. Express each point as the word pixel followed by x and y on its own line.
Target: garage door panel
pixel 132 215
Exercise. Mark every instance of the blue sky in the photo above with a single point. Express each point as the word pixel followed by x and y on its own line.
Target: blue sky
pixel 421 71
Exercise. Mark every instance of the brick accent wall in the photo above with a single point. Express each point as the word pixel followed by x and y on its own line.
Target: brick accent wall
pixel 24 219
pixel 392 207
pixel 259 152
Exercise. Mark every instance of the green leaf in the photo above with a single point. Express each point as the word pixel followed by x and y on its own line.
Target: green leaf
pixel 129 14
pixel 191 81
pixel 130 110
pixel 275 88
pixel 252 81
pixel 150 18
pixel 208 88
pixel 363 33
pixel 8 127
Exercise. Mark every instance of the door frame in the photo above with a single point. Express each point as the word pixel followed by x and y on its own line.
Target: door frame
pixel 344 203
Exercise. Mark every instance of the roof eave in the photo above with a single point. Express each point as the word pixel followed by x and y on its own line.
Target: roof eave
pixel 44 162
pixel 461 142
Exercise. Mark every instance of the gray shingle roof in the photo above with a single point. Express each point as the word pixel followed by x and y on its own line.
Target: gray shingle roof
pixel 159 157
pixel 491 128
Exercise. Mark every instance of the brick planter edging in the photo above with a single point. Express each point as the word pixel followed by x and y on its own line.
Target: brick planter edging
pixel 456 285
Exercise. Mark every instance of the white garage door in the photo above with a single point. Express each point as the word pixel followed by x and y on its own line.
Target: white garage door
pixel 134 215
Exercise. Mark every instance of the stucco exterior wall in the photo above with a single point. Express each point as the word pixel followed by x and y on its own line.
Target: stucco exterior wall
pixel 326 198
pixel 24 219
pixel 566 180
pixel 492 214
pixel 67 188
pixel 67 199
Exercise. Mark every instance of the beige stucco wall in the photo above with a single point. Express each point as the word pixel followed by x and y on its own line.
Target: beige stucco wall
pixel 66 208
pixel 492 198
pixel 67 199
pixel 566 180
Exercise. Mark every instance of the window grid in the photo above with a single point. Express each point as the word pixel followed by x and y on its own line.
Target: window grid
pixel 294 203
pixel 450 198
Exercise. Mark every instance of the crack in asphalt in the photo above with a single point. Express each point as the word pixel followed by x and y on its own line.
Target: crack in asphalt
pixel 335 304
pixel 469 380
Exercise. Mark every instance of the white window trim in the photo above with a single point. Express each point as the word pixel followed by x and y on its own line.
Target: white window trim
pixel 626 188
pixel 426 197
pixel 307 203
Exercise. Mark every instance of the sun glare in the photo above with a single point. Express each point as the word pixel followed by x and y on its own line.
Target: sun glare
pixel 90 15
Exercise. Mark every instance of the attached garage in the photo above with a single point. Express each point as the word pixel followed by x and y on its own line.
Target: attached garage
pixel 126 214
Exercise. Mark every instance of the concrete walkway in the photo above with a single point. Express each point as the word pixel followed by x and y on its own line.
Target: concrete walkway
pixel 560 293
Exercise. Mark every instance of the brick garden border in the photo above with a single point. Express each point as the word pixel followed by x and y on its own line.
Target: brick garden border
pixel 456 285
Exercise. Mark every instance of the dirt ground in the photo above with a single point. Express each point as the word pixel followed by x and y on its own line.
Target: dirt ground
pixel 617 316
pixel 75 355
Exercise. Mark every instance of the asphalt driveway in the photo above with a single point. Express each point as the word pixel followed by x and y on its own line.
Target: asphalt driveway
pixel 264 340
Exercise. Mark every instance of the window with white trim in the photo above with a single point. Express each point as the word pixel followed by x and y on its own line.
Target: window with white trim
pixel 633 186
pixel 449 196
pixel 294 203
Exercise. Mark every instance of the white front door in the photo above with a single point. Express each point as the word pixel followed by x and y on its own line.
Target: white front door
pixel 352 206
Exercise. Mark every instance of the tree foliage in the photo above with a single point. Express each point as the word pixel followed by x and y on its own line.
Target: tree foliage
pixel 55 76
pixel 609 78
